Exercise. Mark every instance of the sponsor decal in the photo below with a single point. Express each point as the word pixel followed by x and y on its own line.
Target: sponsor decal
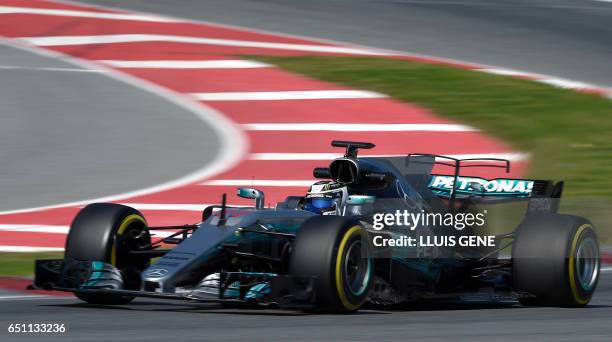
pixel 500 186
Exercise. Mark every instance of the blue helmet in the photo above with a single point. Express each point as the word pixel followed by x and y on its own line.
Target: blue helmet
pixel 326 198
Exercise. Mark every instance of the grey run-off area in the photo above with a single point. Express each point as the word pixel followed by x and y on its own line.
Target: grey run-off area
pixel 68 134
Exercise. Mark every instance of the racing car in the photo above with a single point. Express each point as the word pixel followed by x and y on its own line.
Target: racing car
pixel 319 251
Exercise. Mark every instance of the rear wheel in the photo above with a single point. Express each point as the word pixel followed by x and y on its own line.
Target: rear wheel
pixel 555 260
pixel 108 232
pixel 336 251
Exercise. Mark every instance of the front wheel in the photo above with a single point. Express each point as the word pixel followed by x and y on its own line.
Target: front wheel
pixel 107 232
pixel 336 252
pixel 555 260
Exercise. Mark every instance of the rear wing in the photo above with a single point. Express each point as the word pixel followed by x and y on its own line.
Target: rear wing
pixel 455 185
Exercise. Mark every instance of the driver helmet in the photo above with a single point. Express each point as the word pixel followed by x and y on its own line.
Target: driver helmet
pixel 326 198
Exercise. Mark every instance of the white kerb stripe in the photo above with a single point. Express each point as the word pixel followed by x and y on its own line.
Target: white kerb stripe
pixel 211 64
pixel 82 14
pixel 328 156
pixel 287 95
pixel 258 182
pixel 14 298
pixel 553 81
pixel 29 249
pixel 173 207
pixel 34 228
pixel 164 206
pixel 57 229
pixel 133 38
pixel 566 84
pixel 341 127
pixel 505 72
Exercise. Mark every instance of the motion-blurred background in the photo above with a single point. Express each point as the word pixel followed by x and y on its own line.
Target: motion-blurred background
pixel 164 105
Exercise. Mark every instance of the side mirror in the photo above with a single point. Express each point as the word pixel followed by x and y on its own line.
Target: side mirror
pixel 358 205
pixel 252 193
pixel 360 199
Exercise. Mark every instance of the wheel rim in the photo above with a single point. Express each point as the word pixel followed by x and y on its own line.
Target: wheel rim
pixel 357 268
pixel 587 263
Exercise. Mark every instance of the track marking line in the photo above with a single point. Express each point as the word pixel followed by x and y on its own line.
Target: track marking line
pixel 257 182
pixel 63 230
pixel 342 127
pixel 28 249
pixel 169 207
pixel 550 80
pixel 174 64
pixel 30 297
pixel 15 67
pixel 34 228
pixel 288 95
pixel 606 269
pixel 83 14
pixel 504 72
pixel 328 156
pixel 563 83
pixel 134 38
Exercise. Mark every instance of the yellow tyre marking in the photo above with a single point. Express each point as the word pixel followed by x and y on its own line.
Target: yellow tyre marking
pixel 339 283
pixel 126 223
pixel 572 275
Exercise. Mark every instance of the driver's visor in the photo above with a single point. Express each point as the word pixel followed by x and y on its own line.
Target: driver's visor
pixel 322 203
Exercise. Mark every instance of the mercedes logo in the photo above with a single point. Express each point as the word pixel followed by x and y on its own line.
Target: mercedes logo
pixel 156 273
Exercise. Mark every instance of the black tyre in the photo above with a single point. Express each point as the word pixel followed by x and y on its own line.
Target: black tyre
pixel 107 232
pixel 336 251
pixel 555 260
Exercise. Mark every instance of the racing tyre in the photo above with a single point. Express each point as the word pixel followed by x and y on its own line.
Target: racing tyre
pixel 337 252
pixel 555 260
pixel 107 232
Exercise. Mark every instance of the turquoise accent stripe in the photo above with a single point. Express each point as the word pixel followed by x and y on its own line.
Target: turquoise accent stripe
pixel 258 291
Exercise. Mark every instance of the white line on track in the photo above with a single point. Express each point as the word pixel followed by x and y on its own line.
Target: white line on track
pixel 134 38
pixel 33 297
pixel 504 72
pixel 327 156
pixel 165 206
pixel 342 127
pixel 563 83
pixel 606 269
pixel 29 249
pixel 83 14
pixel 175 64
pixel 258 182
pixel 34 228
pixel 15 67
pixel 550 80
pixel 49 229
pixel 288 95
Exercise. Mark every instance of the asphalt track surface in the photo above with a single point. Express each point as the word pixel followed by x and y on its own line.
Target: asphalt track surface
pixel 147 320
pixel 78 129
pixel 563 38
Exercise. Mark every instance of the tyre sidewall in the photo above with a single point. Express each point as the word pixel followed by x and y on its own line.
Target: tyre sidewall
pixel 543 258
pixel 318 252
pixel 96 235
